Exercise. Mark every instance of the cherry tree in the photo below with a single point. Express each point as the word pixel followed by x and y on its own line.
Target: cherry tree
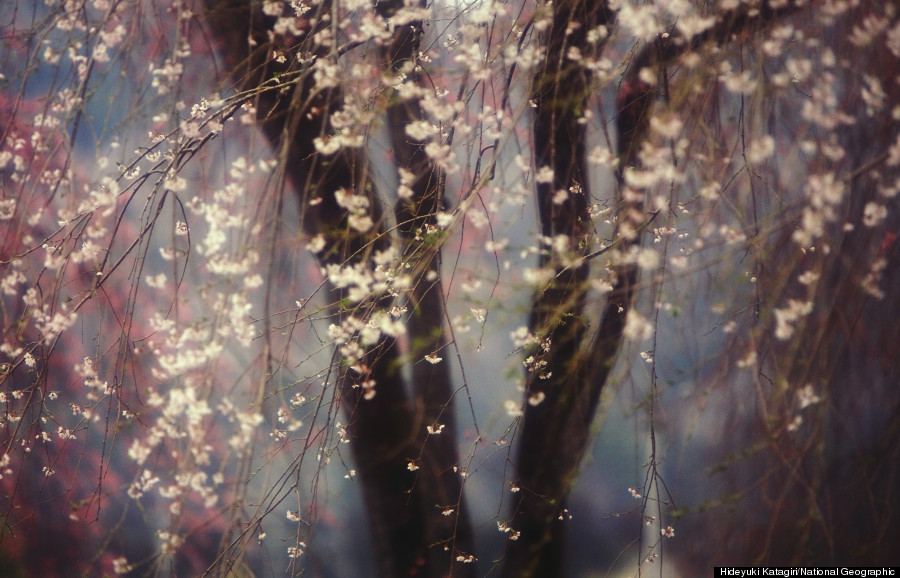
pixel 261 256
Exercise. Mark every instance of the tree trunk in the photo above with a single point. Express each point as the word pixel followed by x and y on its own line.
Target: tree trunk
pixel 407 510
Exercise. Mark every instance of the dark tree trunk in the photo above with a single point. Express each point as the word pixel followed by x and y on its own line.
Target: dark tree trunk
pixel 406 508
pixel 562 380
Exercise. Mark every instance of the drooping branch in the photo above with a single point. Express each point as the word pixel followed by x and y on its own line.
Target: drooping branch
pixel 839 353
